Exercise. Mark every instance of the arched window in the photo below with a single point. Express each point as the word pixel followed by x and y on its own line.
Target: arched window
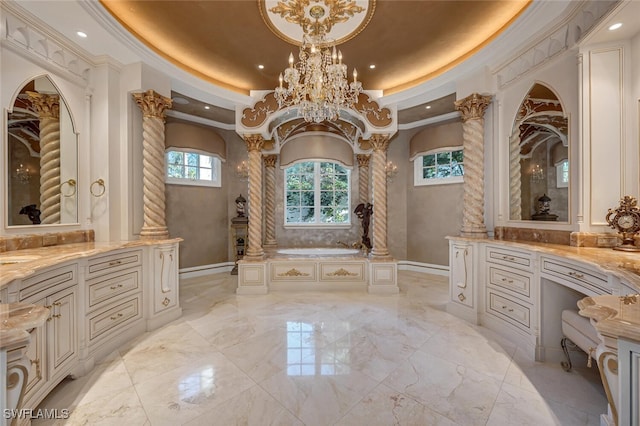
pixel 317 193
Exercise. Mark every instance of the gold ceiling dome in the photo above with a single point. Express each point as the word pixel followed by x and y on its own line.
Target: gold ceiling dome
pixel 290 20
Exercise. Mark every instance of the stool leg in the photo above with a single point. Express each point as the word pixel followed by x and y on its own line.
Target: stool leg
pixel 566 365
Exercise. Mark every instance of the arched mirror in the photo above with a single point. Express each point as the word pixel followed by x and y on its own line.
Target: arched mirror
pixel 539 159
pixel 42 158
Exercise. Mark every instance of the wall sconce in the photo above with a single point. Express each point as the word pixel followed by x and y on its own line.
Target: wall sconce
pixel 23 175
pixel 537 173
pixel 242 170
pixel 391 170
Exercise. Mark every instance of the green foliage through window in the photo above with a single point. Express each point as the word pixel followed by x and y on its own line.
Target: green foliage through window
pixel 440 167
pixel 317 193
pixel 192 168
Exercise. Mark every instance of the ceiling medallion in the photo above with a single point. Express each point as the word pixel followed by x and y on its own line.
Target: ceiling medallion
pixel 290 20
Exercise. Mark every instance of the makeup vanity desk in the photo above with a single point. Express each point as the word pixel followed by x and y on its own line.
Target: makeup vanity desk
pixel 519 289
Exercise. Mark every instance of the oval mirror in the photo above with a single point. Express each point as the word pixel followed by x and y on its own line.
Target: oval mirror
pixel 539 159
pixel 41 158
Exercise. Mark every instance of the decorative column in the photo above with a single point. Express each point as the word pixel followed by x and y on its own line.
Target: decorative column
pixel 254 146
pixel 380 144
pixel 515 182
pixel 363 177
pixel 270 200
pixel 48 109
pixel 472 109
pixel 153 106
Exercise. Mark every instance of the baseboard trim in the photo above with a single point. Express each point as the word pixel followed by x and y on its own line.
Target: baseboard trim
pixel 202 270
pixel 425 268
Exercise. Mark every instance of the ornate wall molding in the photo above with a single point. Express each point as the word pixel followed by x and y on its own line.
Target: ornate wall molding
pixel 564 37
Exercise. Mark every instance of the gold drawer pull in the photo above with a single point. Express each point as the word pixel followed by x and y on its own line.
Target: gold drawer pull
pixel 462 297
pixel 57 303
pixel 509 258
pixel 115 262
pixel 508 281
pixel 113 287
pixel 576 274
pixel 510 310
pixel 166 301
pixel 115 317
pixel 56 316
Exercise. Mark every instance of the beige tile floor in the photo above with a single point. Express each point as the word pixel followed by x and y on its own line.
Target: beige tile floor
pixel 325 359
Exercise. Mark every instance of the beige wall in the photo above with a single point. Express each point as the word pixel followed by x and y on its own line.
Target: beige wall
pixel 434 211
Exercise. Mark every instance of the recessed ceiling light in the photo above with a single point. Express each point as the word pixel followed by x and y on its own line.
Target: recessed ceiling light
pixel 428 107
pixel 207 107
pixel 615 26
pixel 372 66
pixel 81 34
pixel 261 66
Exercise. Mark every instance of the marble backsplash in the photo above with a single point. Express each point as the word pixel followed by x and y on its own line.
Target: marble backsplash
pixel 29 241
pixel 568 238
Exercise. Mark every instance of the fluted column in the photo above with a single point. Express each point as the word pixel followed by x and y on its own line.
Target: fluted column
pixel 48 109
pixel 472 109
pixel 270 200
pixel 254 146
pixel 379 160
pixel 363 177
pixel 515 180
pixel 153 106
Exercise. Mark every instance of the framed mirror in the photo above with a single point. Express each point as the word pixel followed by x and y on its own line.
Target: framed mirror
pixel 42 158
pixel 539 159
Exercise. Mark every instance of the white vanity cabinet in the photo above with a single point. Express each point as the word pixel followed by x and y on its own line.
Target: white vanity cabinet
pixel 162 305
pixel 510 291
pixel 462 280
pixel 113 299
pixel 629 374
pixel 54 350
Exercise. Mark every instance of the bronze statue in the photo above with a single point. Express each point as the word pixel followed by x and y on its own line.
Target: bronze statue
pixel 364 212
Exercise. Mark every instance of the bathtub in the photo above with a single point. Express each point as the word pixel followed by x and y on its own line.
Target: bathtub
pixel 329 251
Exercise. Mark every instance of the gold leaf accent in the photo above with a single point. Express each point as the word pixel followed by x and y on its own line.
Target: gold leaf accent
pixel 293 272
pixel 254 117
pixel 294 11
pixel 379 117
pixel 342 273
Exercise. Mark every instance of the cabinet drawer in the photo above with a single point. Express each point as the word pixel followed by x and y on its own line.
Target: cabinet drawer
pixel 112 285
pixel 112 263
pixel 110 320
pixel 583 279
pixel 509 280
pixel 510 310
pixel 54 279
pixel 510 258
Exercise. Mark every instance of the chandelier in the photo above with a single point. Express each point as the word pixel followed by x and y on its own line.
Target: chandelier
pixel 317 84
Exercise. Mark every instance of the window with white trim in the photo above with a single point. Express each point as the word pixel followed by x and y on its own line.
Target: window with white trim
pixel 190 167
pixel 317 193
pixel 439 166
pixel 562 174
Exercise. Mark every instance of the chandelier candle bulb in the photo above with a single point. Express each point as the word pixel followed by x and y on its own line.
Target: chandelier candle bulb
pixel 280 79
pixel 290 60
pixel 355 75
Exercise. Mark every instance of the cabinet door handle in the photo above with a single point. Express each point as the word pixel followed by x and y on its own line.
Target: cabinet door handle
pixel 57 303
pixel 576 274
pixel 166 301
pixel 510 310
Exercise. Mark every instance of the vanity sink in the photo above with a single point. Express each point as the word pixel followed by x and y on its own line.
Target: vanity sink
pixel 11 259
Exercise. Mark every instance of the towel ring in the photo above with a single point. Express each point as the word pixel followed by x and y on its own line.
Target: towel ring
pixel 98 182
pixel 72 185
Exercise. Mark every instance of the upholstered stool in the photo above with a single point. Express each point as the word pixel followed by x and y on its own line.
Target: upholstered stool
pixel 579 332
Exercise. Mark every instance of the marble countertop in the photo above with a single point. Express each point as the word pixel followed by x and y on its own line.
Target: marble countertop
pixel 617 316
pixel 16 319
pixel 36 259
pixel 624 265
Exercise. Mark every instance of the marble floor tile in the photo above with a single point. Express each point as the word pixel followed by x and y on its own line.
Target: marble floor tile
pixel 316 359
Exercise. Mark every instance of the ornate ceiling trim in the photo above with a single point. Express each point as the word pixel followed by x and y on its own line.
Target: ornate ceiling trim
pixel 289 20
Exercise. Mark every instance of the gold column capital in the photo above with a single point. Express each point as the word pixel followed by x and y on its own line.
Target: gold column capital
pixel 152 103
pixel 270 160
pixel 473 106
pixel 254 142
pixel 379 142
pixel 363 160
pixel 47 106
